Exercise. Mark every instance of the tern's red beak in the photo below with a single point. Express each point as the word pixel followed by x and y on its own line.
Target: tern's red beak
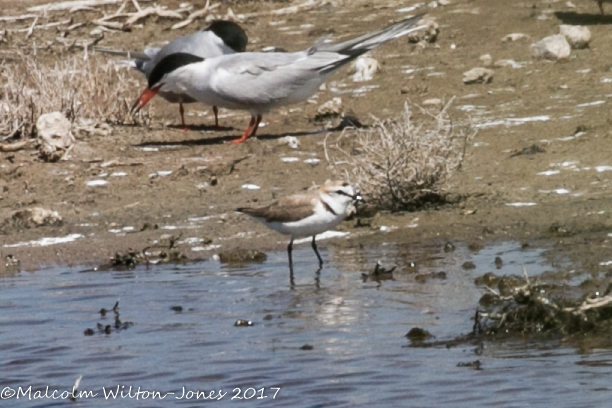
pixel 144 98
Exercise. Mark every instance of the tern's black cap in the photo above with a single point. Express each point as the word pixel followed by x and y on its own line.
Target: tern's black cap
pixel 231 33
pixel 170 63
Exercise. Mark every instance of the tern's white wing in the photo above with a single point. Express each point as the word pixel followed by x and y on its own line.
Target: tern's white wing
pixel 260 81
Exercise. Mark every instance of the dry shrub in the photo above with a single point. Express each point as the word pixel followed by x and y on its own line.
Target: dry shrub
pixel 92 88
pixel 399 164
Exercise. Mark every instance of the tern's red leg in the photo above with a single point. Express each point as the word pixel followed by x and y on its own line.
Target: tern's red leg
pixel 247 132
pixel 182 111
pixel 216 112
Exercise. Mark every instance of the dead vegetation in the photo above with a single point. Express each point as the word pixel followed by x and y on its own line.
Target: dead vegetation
pixel 400 164
pixel 86 89
pixel 533 308
pixel 529 307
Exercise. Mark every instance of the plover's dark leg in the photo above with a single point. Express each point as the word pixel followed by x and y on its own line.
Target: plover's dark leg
pixel 601 7
pixel 289 250
pixel 318 278
pixel 314 246
pixel 291 279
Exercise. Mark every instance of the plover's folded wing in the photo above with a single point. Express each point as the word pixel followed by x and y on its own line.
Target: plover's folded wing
pixel 290 209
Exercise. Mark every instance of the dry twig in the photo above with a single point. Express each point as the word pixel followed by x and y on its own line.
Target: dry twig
pixel 195 15
pixel 398 163
pixel 13 147
pixel 12 19
pixel 307 5
pixel 68 5
pixel 134 17
pixel 31 29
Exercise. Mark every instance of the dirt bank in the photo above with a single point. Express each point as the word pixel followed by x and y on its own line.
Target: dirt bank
pixel 560 107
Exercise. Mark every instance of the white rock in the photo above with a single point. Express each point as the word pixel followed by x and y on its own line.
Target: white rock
pixel 250 187
pixel 54 135
pixel 486 60
pixel 364 68
pixel 552 48
pixel 570 4
pixel 330 108
pixel 289 159
pixel 291 141
pixel 160 173
pixel 579 37
pixel 427 34
pixel 515 37
pixel 96 183
pixel 477 76
pixel 38 216
pixel 507 63
pixel 432 101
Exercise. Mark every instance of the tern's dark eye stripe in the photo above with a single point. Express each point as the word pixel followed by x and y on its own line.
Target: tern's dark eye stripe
pixel 169 63
pixel 231 33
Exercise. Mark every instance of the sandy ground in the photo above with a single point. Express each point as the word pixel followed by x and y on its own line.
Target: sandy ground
pixel 566 106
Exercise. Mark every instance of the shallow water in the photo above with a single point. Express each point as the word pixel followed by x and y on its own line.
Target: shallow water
pixel 356 330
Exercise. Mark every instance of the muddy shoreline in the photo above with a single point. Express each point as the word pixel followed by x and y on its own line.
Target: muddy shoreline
pixel 572 208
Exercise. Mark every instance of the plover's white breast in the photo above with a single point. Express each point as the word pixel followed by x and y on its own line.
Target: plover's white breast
pixel 321 220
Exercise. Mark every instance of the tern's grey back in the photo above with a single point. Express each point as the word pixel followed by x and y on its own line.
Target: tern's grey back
pixel 203 44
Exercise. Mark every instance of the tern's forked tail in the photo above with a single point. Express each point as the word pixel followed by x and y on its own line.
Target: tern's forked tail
pixel 369 41
pixel 360 45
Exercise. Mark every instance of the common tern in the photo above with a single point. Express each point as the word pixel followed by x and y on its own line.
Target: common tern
pixel 219 38
pixel 257 81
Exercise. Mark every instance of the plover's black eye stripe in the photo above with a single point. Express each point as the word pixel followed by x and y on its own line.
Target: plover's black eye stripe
pixel 344 193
